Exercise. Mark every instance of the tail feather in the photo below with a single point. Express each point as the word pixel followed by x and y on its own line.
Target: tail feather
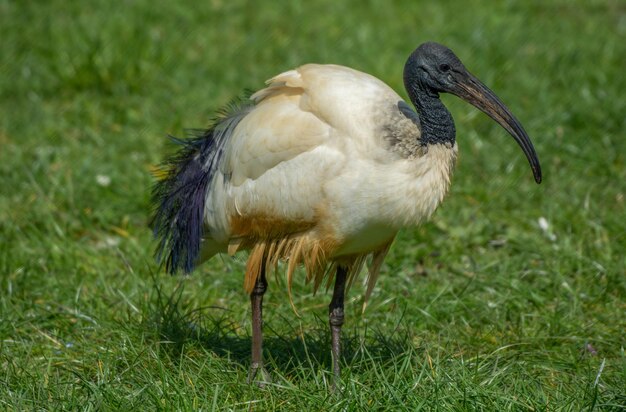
pixel 179 195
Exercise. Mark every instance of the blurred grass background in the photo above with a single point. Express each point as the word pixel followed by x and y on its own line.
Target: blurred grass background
pixel 482 308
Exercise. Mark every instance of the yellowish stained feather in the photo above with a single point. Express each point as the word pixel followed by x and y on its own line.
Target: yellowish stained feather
pixel 254 266
pixel 374 270
pixel 314 256
pixel 159 172
pixel 234 245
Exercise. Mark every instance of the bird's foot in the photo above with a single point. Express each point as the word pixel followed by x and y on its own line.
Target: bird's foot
pixel 258 375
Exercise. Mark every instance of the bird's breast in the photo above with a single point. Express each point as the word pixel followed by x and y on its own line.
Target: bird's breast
pixel 368 205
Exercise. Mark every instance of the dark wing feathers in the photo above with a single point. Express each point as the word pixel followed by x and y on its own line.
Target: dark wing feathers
pixel 179 197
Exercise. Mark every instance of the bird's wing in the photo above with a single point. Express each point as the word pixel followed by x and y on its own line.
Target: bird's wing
pixel 346 99
pixel 277 161
pixel 278 129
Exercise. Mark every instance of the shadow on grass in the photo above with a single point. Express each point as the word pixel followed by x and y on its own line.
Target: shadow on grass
pixel 213 328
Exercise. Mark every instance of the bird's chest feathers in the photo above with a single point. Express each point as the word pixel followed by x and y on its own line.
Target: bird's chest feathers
pixel 378 199
pixel 425 184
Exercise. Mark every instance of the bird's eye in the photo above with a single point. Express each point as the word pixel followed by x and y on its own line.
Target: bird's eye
pixel 444 67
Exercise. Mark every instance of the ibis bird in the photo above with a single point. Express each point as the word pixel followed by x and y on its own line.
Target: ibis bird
pixel 320 169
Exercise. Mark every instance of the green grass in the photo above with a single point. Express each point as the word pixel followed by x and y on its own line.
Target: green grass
pixel 480 309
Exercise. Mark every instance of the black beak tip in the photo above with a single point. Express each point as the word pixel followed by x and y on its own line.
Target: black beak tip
pixel 537 173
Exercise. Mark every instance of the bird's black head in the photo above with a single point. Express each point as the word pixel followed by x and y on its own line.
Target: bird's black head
pixel 433 68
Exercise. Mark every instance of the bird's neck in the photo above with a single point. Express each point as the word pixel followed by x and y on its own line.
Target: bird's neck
pixel 435 119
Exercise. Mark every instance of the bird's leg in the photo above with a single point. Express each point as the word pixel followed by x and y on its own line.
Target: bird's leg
pixel 335 319
pixel 256 300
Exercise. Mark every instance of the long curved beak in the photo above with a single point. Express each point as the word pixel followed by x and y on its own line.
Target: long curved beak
pixel 477 94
